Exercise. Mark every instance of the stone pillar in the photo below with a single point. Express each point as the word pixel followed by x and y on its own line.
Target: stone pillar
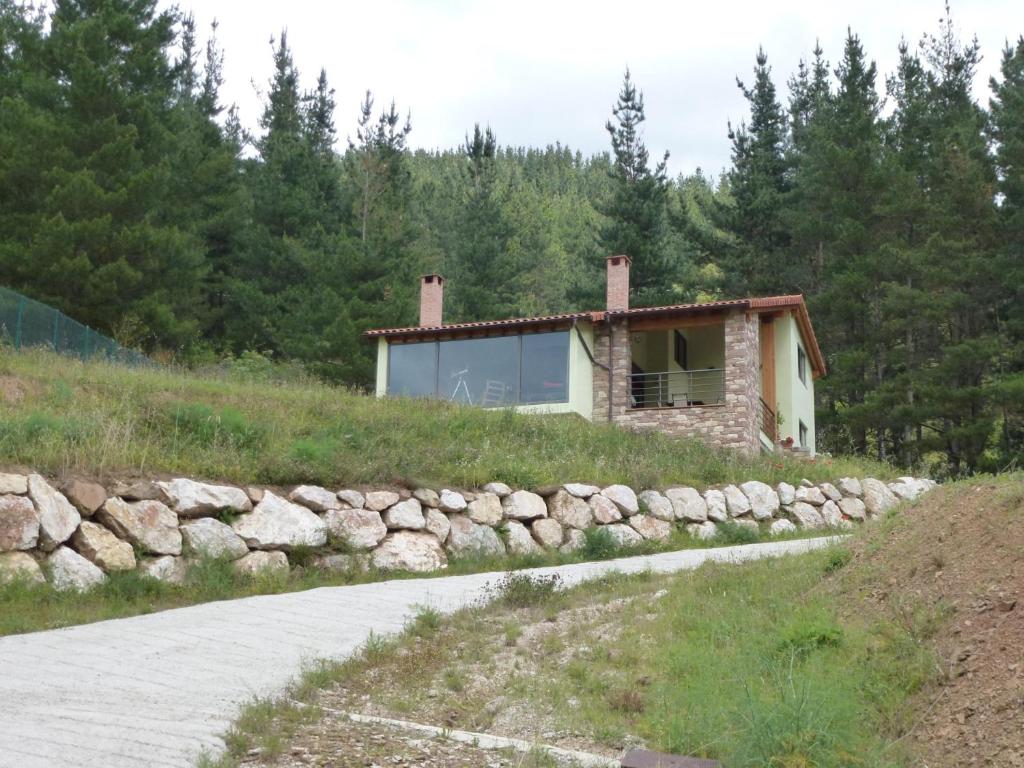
pixel 742 376
pixel 618 283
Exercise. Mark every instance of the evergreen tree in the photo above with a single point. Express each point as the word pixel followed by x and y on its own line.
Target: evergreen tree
pixel 1007 131
pixel 758 182
pixel 100 240
pixel 637 218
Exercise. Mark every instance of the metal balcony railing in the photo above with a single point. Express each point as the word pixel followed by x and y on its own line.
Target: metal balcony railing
pixel 677 389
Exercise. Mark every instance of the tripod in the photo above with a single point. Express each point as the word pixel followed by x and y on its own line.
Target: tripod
pixel 461 385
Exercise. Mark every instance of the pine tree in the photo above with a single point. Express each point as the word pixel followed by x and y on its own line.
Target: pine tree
pixel 637 218
pixel 758 182
pixel 1007 132
pixel 104 244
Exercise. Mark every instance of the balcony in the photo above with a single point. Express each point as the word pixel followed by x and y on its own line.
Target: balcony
pixel 677 389
pixel 767 421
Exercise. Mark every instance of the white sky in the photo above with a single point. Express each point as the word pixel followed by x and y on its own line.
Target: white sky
pixel 540 72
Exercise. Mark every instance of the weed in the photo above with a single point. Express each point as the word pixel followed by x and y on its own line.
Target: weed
pixel 454 680
pixel 836 557
pixel 521 590
pixel 599 545
pixel 629 701
pixel 513 631
pixel 426 622
pixel 731 533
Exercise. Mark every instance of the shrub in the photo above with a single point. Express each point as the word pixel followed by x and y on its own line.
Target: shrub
pixel 599 545
pixel 730 533
pixel 521 590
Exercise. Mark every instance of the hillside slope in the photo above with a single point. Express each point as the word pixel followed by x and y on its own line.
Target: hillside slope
pixel 58 415
pixel 951 569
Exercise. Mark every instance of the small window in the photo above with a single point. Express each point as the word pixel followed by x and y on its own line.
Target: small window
pixel 681 351
pixel 801 364
pixel 803 435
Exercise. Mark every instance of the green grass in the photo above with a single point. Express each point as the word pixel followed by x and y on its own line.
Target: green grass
pixel 754 665
pixel 29 607
pixel 59 415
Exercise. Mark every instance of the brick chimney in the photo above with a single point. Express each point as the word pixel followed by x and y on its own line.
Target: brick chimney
pixel 618 282
pixel 431 301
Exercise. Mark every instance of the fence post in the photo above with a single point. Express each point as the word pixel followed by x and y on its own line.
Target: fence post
pixel 56 329
pixel 17 323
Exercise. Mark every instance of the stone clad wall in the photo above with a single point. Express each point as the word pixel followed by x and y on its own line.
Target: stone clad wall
pixel 732 425
pixel 74 536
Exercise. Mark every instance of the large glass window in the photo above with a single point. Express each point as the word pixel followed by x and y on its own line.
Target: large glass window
pixel 479 371
pixel 412 369
pixel 545 368
pixel 492 371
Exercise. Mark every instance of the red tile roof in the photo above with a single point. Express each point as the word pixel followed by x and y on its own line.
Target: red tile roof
pixel 757 304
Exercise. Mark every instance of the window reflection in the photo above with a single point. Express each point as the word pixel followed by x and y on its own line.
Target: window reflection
pixel 479 371
pixel 412 369
pixel 490 372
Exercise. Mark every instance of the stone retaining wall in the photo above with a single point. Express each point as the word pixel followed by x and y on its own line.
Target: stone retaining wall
pixel 73 536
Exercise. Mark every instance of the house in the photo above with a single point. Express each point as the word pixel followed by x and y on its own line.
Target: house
pixel 736 373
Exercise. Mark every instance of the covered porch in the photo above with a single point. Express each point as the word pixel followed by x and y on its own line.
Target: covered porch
pixel 677 363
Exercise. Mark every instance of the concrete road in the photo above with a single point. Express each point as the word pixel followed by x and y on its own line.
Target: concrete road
pixel 158 690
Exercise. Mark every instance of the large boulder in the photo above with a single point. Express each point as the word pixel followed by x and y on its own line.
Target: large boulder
pixel 498 489
pixel 350 498
pixel 357 528
pixel 97 544
pixel 70 571
pixel 193 499
pixel 832 516
pixel 336 562
pixel 850 486
pixel 717 508
pixel 831 492
pixel 570 510
pixel 703 531
pixel 575 540
pixel 518 539
pixel 485 509
pixel 746 522
pixel 451 501
pixel 86 495
pixel 437 524
pixel 378 501
pixel 58 519
pixel 650 527
pixel 908 488
pixel 623 497
pixel 149 524
pixel 20 566
pixel 878 499
pixel 11 483
pixel 141 490
pixel 467 538
pixel 547 532
pixel 764 501
pixel 277 523
pixel 410 551
pixel 316 498
pixel 523 505
pixel 853 508
pixel 581 490
pixel 19 525
pixel 168 569
pixel 736 501
pixel 604 510
pixel 209 537
pixel 405 515
pixel 624 535
pixel 807 516
pixel 786 493
pixel 256 563
pixel 688 504
pixel 810 495
pixel 656 505
pixel 780 527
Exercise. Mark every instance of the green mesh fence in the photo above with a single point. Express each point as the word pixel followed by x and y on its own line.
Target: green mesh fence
pixel 27 323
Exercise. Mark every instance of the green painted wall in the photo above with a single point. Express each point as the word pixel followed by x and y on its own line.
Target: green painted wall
pixel 795 398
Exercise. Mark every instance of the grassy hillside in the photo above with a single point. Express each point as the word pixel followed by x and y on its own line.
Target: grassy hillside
pixel 59 415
